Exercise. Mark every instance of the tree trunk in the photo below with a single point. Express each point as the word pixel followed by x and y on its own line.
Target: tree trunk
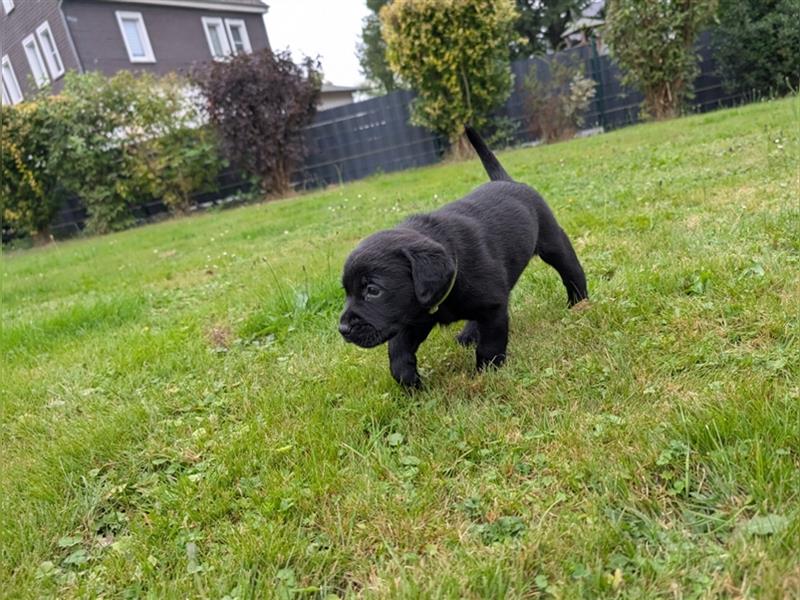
pixel 460 149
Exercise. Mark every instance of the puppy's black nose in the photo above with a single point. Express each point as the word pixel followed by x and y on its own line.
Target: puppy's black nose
pixel 344 328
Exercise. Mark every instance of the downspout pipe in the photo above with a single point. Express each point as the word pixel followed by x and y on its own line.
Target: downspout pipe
pixel 69 36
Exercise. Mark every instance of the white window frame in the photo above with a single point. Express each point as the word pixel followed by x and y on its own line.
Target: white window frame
pixel 245 37
pixel 8 5
pixel 10 84
pixel 223 37
pixel 35 61
pixel 53 59
pixel 148 57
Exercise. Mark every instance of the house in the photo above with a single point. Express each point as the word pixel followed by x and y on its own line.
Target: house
pixel 331 96
pixel 586 28
pixel 40 40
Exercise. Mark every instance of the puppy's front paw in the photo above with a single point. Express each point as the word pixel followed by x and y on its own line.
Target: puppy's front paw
pixel 410 380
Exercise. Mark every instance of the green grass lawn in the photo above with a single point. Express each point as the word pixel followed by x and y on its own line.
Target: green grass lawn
pixel 180 417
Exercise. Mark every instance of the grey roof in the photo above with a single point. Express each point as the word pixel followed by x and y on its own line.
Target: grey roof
pixel 251 2
pixel 249 5
pixel 581 24
pixel 330 87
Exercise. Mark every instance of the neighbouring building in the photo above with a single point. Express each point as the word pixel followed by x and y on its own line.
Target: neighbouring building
pixel 40 40
pixel 331 95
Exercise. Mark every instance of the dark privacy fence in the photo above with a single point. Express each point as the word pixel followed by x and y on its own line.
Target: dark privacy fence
pixel 374 136
pixel 356 140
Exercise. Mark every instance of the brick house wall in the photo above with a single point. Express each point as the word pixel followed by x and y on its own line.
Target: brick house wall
pixel 23 21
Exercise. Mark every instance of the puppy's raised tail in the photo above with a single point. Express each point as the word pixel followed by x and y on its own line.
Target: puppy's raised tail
pixel 490 163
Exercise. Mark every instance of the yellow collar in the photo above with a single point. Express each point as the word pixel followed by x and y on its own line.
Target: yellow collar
pixel 436 306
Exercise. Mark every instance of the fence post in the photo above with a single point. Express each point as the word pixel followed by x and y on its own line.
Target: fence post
pixel 597 75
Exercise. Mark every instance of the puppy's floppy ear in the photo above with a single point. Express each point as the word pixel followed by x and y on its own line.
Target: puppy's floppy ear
pixel 432 270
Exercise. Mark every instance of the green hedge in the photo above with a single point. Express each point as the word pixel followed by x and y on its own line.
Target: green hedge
pixel 757 45
pixel 116 142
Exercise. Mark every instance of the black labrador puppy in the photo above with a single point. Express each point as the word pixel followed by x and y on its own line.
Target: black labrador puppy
pixel 457 263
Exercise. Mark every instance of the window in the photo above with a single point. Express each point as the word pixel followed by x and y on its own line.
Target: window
pixel 8 5
pixel 50 50
pixel 237 32
pixel 35 60
pixel 10 83
pixel 217 40
pixel 134 34
pixel 226 38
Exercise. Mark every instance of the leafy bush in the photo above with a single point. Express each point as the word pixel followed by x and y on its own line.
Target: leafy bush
pixel 30 190
pixel 178 164
pixel 556 105
pixel 455 55
pixel 757 45
pixel 129 143
pixel 115 142
pixel 653 43
pixel 259 104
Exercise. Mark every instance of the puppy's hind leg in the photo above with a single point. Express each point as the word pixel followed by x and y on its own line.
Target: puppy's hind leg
pixel 470 335
pixel 556 250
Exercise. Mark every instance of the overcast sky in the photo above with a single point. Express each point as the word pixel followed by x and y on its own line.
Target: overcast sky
pixel 328 28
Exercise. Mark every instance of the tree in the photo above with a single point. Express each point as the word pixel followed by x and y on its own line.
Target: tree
pixel 259 104
pixel 652 40
pixel 757 45
pixel 454 54
pixel 372 51
pixel 542 23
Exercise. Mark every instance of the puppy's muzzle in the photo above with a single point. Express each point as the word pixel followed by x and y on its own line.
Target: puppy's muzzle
pixel 359 332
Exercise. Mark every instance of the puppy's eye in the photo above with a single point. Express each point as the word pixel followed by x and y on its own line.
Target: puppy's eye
pixel 372 291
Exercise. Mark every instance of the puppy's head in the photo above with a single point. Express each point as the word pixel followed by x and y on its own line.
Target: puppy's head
pixel 391 280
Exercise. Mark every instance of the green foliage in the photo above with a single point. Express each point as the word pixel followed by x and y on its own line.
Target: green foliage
pixel 371 51
pixel 130 140
pixel 652 40
pixel 179 164
pixel 542 23
pixel 454 53
pixel 757 45
pixel 30 190
pixel 115 142
pixel 556 104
